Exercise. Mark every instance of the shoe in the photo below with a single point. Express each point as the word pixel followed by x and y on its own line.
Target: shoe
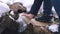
pixel 44 19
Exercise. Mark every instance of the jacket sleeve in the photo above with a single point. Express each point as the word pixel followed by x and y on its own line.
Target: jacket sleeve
pixel 35 7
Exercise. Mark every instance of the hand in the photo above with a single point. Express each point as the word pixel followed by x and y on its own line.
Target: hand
pixel 30 16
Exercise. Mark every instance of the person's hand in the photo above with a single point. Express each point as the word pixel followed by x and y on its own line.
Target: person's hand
pixel 30 16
